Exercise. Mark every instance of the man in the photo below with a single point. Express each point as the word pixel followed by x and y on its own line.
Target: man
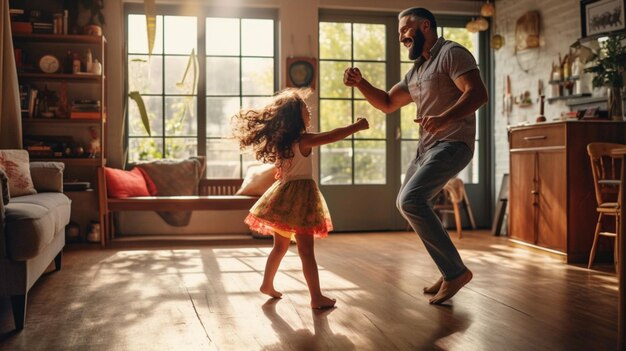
pixel 445 85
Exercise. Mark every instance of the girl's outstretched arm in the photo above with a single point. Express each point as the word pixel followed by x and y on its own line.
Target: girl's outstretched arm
pixel 311 140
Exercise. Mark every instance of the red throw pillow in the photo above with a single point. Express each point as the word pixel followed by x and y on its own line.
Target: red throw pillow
pixel 121 183
pixel 152 188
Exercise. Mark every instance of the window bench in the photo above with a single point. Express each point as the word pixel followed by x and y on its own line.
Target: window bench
pixel 214 195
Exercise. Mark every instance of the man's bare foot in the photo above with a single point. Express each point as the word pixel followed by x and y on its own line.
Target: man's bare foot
pixel 451 287
pixel 322 302
pixel 271 292
pixel 434 288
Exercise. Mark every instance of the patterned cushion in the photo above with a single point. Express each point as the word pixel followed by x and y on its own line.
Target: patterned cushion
pixel 172 178
pixel 15 163
pixel 4 183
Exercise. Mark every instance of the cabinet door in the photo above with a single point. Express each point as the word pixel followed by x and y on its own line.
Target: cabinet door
pixel 552 186
pixel 521 210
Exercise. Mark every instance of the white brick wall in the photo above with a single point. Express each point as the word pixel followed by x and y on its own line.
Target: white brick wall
pixel 560 27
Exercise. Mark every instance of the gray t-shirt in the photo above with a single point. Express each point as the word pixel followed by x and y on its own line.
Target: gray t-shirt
pixel 431 85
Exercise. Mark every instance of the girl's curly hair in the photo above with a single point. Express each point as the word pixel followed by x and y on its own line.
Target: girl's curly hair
pixel 272 130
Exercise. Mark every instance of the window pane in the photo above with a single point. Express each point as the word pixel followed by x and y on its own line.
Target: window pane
pixel 337 113
pixel 463 37
pixel 407 154
pixel 248 160
pixel 179 148
pixel 138 35
pixel 370 162
pixel 145 75
pixel 154 108
pixel 174 72
pixel 257 76
pixel 335 41
pixel 219 113
pixel 373 72
pixel 331 80
pixel 257 37
pixel 377 120
pixel 223 159
pixel 180 116
pixel 144 149
pixel 222 76
pixel 470 174
pixel 254 102
pixel 408 127
pixel 222 36
pixel 369 42
pixel 180 34
pixel 336 163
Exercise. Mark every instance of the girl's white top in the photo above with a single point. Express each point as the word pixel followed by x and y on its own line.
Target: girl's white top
pixel 299 167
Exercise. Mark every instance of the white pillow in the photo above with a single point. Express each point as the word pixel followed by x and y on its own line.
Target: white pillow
pixel 15 163
pixel 258 179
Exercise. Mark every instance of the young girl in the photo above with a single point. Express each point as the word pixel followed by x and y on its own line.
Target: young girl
pixel 293 205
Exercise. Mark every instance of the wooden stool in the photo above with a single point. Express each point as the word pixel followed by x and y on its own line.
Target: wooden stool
pixel 454 191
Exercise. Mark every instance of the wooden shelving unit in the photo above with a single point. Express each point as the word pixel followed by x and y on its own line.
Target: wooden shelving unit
pixel 79 86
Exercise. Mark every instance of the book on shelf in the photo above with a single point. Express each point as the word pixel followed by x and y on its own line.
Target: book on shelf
pixel 85 114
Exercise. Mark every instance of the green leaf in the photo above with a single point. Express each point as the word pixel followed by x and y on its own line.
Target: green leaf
pixel 142 110
pixel 150 11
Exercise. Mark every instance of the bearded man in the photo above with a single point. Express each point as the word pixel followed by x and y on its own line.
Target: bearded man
pixel 446 87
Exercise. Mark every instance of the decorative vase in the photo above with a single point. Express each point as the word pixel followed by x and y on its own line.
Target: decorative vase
pixel 615 105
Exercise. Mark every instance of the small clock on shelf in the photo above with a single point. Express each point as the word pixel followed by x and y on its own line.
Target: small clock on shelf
pixel 49 64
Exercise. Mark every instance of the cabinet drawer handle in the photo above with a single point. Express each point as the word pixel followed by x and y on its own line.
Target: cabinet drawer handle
pixel 534 192
pixel 538 137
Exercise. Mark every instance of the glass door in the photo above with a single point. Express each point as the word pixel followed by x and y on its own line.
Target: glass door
pixel 361 175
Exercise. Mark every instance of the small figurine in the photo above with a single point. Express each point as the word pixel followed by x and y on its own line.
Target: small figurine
pixel 94 144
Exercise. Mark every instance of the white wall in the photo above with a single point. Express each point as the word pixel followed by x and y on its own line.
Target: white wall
pixel 560 27
pixel 298 26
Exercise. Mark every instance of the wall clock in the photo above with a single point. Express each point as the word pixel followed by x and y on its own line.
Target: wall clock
pixel 301 72
pixel 49 64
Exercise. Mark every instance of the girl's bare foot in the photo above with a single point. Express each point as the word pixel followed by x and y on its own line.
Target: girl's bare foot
pixel 450 287
pixel 322 302
pixel 271 292
pixel 434 288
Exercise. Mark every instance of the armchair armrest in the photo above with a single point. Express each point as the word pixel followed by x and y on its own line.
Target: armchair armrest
pixel 5 195
pixel 47 176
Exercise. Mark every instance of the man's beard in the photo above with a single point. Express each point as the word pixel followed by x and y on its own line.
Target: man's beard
pixel 415 50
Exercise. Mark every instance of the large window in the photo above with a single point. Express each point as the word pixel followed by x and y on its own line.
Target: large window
pixel 230 60
pixel 361 158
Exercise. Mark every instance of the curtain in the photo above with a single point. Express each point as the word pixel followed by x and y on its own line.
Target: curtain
pixel 10 115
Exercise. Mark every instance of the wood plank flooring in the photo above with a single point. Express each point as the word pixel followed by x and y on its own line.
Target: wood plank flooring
pixel 206 298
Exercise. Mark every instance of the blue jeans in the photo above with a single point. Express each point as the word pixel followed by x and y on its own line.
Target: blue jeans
pixel 425 177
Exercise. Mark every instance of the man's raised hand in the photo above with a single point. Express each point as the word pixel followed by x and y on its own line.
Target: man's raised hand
pixel 352 76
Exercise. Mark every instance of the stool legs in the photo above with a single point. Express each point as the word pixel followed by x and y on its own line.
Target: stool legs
pixel 592 254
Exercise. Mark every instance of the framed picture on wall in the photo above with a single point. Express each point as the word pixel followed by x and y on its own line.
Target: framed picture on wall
pixel 600 17
pixel 301 72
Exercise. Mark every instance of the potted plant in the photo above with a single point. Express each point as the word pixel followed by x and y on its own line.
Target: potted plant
pixel 609 65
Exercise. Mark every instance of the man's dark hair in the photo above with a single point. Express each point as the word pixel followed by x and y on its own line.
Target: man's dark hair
pixel 421 13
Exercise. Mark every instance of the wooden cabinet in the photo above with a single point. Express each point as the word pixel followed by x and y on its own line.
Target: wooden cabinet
pixel 67 123
pixel 551 196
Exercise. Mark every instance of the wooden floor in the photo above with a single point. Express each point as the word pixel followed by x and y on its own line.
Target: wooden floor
pixel 206 298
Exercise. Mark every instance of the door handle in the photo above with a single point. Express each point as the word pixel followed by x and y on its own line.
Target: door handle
pixel 534 192
pixel 537 137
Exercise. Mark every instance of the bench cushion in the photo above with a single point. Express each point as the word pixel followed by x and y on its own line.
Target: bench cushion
pixel 32 221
